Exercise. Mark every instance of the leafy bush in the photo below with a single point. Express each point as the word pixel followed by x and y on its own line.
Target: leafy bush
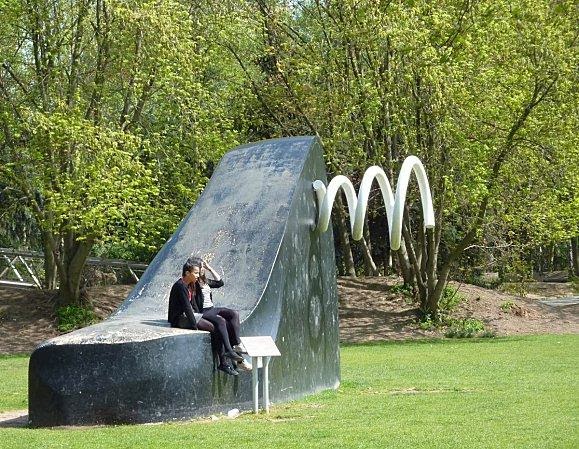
pixel 467 328
pixel 484 280
pixel 515 288
pixel 427 323
pixel 74 317
pixel 507 306
pixel 456 328
pixel 449 299
pixel 402 289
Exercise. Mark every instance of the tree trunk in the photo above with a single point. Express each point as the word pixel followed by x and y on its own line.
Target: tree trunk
pixel 371 269
pixel 417 274
pixel 388 264
pixel 369 263
pixel 343 238
pixel 540 261
pixel 50 271
pixel 549 257
pixel 73 259
pixel 575 255
pixel 430 307
pixel 431 255
pixel 404 264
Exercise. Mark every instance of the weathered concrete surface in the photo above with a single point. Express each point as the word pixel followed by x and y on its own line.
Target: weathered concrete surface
pixel 254 222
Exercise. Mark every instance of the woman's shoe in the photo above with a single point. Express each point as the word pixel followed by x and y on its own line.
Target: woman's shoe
pixel 244 366
pixel 228 370
pixel 240 348
pixel 233 356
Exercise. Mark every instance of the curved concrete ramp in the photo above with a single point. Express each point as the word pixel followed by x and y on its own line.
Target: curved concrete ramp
pixel 254 222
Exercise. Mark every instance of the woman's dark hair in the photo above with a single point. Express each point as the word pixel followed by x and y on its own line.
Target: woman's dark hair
pixel 197 262
pixel 191 262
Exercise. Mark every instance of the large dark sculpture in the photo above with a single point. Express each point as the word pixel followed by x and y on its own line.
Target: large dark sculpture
pixel 256 220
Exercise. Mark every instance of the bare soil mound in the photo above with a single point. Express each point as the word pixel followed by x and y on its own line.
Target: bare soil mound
pixel 27 316
pixel 370 309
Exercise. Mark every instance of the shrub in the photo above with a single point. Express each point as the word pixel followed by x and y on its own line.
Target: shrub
pixel 507 306
pixel 466 328
pixel 449 299
pixel 488 333
pixel 402 289
pixel 74 317
pixel 427 323
pixel 486 280
pixel 515 288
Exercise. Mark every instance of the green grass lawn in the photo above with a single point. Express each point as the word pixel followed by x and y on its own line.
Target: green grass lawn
pixel 13 383
pixel 490 393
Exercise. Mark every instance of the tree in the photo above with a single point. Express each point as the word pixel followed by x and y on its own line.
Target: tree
pixel 472 89
pixel 111 116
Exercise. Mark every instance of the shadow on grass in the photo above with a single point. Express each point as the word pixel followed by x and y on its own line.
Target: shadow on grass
pixel 436 341
pixel 17 421
pixel 14 356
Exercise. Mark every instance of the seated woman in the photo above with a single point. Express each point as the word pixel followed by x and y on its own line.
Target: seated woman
pixel 225 320
pixel 185 314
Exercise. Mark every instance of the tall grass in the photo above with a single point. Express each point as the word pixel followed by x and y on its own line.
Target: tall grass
pixel 499 393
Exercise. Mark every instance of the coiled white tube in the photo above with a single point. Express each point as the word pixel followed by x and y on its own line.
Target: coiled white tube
pixel 357 206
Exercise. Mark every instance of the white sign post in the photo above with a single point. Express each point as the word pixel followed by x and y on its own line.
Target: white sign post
pixel 260 349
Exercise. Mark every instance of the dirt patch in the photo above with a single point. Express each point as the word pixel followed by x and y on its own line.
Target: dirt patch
pixel 26 319
pixel 27 316
pixel 370 309
pixel 513 315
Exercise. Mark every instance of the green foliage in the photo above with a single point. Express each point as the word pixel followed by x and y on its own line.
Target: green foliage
pixel 449 300
pixel 476 92
pixel 476 278
pixel 515 288
pixel 453 327
pixel 74 317
pixel 448 303
pixel 466 328
pixel 113 114
pixel 111 134
pixel 575 283
pixel 106 185
pixel 428 323
pixel 507 306
pixel 402 289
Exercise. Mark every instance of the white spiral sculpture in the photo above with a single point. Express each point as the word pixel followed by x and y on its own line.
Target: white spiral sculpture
pixel 394 204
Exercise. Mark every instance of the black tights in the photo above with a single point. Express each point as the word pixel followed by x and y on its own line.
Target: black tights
pixel 205 325
pixel 226 322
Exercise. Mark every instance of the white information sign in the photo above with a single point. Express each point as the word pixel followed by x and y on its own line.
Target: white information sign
pixel 260 346
pixel 260 349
